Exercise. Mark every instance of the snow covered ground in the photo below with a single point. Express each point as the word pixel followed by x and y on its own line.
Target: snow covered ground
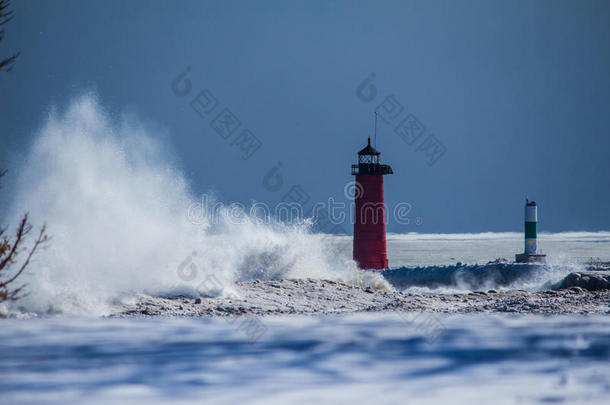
pixel 365 358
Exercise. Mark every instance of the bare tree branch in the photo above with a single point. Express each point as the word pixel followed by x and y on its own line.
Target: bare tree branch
pixel 5 17
pixel 39 240
pixel 9 250
pixel 6 64
pixel 22 230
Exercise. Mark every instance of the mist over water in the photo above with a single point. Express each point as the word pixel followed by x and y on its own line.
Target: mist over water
pixel 116 215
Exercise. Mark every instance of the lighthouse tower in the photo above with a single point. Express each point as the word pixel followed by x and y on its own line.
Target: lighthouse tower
pixel 369 216
pixel 530 253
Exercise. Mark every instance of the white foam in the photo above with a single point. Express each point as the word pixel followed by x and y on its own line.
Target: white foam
pixel 116 210
pixel 116 214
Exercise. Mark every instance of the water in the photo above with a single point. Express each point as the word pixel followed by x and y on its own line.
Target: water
pixel 460 262
pixel 377 358
pixel 362 358
pixel 123 221
pixel 564 248
pixel 117 209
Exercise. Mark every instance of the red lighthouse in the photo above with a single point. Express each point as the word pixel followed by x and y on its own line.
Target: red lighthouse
pixel 369 217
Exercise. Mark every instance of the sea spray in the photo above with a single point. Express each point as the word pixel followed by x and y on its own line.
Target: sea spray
pixel 115 209
pixel 117 214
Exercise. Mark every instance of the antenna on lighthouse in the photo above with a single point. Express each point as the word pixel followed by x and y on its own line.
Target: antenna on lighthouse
pixel 376 114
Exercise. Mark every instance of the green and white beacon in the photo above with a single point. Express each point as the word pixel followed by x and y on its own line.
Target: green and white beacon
pixel 530 255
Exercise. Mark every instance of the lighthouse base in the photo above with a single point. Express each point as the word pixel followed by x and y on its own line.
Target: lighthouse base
pixel 380 265
pixel 530 258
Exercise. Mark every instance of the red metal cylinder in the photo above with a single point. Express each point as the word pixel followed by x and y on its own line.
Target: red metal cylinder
pixel 370 250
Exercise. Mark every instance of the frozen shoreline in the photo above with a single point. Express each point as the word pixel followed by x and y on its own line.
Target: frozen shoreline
pixel 578 293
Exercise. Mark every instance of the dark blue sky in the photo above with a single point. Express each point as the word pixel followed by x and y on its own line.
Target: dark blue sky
pixel 517 92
